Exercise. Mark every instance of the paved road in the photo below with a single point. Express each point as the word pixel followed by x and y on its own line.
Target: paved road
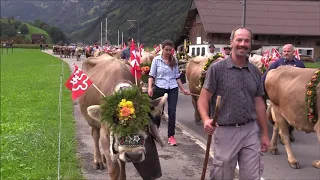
pixel 306 148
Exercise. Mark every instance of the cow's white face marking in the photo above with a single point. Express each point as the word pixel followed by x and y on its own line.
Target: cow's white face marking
pixel 122 85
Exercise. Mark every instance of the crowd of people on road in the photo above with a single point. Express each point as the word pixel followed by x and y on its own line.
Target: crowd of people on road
pixel 242 113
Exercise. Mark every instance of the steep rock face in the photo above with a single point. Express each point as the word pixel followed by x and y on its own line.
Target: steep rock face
pixel 80 19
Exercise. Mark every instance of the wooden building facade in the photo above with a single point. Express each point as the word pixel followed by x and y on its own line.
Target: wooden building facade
pixel 274 23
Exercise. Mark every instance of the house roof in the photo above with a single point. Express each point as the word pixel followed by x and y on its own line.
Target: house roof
pixel 262 16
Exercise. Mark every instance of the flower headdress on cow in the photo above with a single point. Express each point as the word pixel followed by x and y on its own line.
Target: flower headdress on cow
pixel 126 111
pixel 145 69
pixel 311 97
pixel 206 66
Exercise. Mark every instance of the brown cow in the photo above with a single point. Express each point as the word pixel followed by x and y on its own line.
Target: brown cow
pixel 286 88
pixel 193 73
pixel 107 74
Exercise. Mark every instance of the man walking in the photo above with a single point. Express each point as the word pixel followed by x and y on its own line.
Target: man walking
pixel 242 109
pixel 288 59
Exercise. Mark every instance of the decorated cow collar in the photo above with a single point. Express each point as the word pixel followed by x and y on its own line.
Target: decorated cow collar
pixel 206 66
pixel 126 111
pixel 311 97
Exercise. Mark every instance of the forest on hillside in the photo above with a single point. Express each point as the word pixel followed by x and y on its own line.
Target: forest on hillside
pixel 80 20
pixel 20 32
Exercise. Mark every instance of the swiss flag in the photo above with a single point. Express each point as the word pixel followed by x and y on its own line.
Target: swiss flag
pixel 265 58
pixel 135 62
pixel 296 54
pixel 141 49
pixel 78 83
pixel 275 54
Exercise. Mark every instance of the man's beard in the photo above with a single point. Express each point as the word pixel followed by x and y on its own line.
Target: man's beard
pixel 246 50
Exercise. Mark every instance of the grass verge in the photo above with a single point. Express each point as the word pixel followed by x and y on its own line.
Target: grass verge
pixel 30 86
pixel 312 65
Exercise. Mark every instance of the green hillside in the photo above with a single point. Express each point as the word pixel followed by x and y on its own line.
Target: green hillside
pixel 20 32
pixel 35 30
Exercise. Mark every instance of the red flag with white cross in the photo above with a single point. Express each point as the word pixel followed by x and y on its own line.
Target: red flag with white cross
pixel 135 62
pixel 296 54
pixel 275 54
pixel 265 58
pixel 78 83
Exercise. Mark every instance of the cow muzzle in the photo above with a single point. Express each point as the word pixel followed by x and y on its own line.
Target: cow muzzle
pixel 134 157
pixel 131 148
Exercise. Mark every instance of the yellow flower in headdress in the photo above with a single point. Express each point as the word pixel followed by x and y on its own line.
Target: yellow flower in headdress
pixel 126 110
pixel 309 92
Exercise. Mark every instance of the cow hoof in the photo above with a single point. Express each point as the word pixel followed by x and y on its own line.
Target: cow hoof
pixel 294 165
pixel 99 165
pixel 274 151
pixel 291 138
pixel 316 164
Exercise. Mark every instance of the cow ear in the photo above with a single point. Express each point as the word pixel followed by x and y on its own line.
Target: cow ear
pixel 159 102
pixel 94 112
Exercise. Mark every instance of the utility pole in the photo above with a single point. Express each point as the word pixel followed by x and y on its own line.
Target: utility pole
pixel 122 38
pixel 101 34
pixel 106 30
pixel 118 38
pixel 138 29
pixel 138 32
pixel 244 12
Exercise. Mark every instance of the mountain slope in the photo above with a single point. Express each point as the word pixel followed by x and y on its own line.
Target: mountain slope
pixel 80 19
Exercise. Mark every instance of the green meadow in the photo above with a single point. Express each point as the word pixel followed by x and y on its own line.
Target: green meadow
pixel 312 65
pixel 30 118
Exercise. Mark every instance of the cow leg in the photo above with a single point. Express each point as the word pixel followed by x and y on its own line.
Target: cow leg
pixel 292 139
pixel 284 133
pixel 273 143
pixel 122 170
pixel 316 163
pixel 197 118
pixel 112 164
pixel 97 159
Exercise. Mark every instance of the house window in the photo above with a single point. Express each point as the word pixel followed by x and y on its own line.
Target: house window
pixel 193 52
pixel 198 51
pixel 203 51
pixel 198 19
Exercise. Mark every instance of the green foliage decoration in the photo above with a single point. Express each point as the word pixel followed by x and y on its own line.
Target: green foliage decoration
pixel 110 111
pixel 206 66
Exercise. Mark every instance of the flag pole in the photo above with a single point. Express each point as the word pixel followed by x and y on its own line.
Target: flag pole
pixel 135 76
pixel 98 90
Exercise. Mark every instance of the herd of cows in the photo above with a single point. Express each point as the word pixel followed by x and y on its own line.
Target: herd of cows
pixel 110 73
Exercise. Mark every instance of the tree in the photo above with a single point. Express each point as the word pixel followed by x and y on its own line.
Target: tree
pixel 24 29
pixel 7 30
pixel 57 35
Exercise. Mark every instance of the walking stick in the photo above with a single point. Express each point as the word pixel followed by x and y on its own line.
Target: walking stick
pixel 206 157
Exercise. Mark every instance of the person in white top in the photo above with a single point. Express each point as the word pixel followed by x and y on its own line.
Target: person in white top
pixel 211 51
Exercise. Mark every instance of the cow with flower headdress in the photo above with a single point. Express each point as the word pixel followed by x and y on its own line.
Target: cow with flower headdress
pixel 196 70
pixel 123 121
pixel 295 100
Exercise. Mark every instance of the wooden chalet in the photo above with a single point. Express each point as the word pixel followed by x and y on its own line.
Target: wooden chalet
pixel 274 23
pixel 38 38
